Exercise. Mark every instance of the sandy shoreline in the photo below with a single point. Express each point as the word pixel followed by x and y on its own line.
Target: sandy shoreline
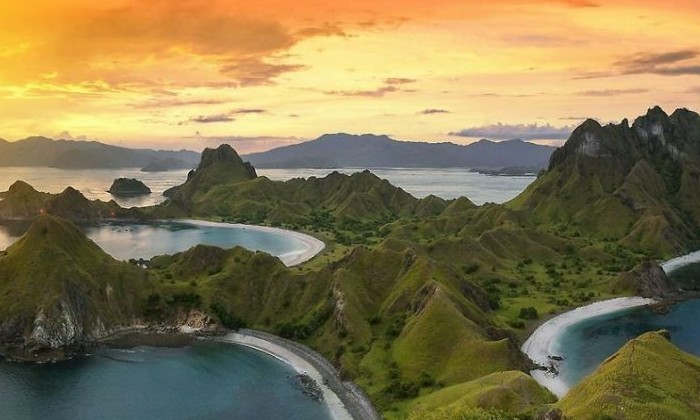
pixel 678 262
pixel 345 401
pixel 539 346
pixel 312 245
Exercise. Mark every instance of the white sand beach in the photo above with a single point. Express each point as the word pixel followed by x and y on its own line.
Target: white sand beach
pixel 678 262
pixel 312 246
pixel 539 346
pixel 298 363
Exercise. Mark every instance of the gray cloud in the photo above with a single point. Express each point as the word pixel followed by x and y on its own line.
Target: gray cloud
pixel 391 85
pixel 678 71
pixel 398 81
pixel 434 111
pixel 643 61
pixel 375 93
pixel 225 116
pixel 612 92
pixel 673 63
pixel 170 102
pixel 572 118
pixel 255 71
pixel 249 111
pixel 502 131
pixel 216 118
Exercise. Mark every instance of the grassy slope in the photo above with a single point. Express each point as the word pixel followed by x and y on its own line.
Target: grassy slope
pixel 648 378
pixel 54 269
pixel 511 392
pixel 427 305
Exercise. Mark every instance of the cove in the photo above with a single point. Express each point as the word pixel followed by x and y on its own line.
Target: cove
pixel 586 344
pixel 206 380
pixel 125 241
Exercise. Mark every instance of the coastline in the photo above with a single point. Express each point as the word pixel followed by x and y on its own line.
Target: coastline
pixel 539 345
pixel 678 262
pixel 290 259
pixel 345 401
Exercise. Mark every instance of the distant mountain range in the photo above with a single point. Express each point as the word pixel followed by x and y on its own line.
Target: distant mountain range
pixel 372 151
pixel 68 154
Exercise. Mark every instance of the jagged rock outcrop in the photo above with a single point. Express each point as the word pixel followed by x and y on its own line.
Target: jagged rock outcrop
pixel 648 280
pixel 633 184
pixel 217 167
pixel 128 187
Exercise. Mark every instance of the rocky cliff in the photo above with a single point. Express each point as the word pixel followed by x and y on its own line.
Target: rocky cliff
pixel 60 290
pixel 633 184
pixel 217 166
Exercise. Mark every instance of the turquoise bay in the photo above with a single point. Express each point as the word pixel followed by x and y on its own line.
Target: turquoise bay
pixel 206 380
pixel 585 345
pixel 130 240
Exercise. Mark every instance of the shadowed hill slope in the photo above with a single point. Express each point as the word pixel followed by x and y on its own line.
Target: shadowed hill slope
pixel 22 201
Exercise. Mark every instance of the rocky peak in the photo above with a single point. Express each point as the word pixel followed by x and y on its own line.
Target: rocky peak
pixel 20 188
pixel 222 154
pixel 653 134
pixel 218 166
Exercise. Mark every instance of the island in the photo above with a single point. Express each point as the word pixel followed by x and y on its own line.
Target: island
pixel 424 304
pixel 128 187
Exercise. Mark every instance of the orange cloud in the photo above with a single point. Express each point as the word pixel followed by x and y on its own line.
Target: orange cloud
pixel 146 70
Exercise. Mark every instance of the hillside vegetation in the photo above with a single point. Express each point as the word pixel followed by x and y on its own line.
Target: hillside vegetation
pixel 648 378
pixel 424 302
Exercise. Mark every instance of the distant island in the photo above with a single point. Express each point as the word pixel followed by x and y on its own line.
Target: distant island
pixel 69 154
pixel 509 157
pixel 372 151
pixel 128 187
pixel 422 303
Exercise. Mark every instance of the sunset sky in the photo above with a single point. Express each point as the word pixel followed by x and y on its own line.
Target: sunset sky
pixel 259 74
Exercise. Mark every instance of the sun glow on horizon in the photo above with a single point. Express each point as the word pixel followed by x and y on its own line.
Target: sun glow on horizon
pixel 193 73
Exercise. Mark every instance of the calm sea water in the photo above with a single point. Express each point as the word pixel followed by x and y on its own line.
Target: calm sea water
pixel 207 380
pixel 124 241
pixel 445 183
pixel 587 344
pixel 202 381
pixel 94 183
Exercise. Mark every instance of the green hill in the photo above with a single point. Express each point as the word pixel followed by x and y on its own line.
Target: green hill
pixel 423 303
pixel 223 186
pixel 59 290
pixel 649 378
pixel 220 166
pixel 397 322
pixel 22 201
pixel 512 393
pixel 634 185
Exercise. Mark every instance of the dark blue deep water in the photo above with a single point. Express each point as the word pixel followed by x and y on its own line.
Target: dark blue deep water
pixel 587 344
pixel 202 381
